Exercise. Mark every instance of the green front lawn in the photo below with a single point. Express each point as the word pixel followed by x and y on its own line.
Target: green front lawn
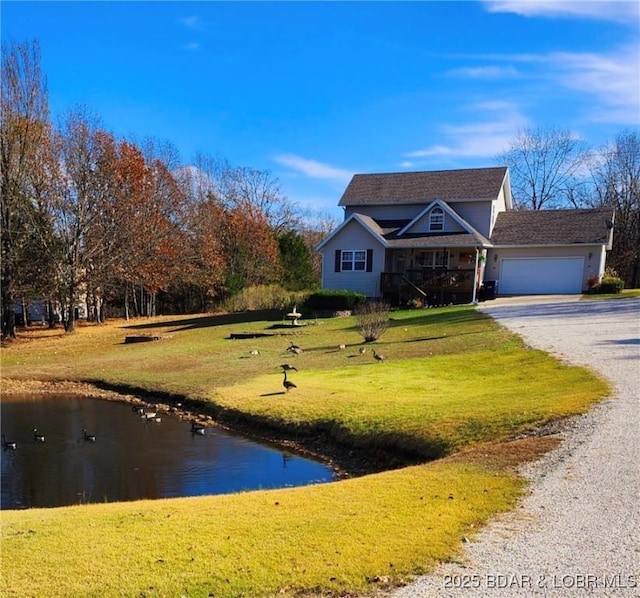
pixel 454 385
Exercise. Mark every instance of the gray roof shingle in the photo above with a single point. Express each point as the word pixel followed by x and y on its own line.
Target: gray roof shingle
pixel 419 187
pixel 553 227
pixel 389 229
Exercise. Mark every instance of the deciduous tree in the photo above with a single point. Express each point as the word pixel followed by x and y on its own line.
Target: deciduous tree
pixel 616 174
pixel 24 114
pixel 546 167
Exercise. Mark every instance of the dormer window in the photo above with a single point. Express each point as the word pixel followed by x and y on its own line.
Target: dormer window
pixel 436 219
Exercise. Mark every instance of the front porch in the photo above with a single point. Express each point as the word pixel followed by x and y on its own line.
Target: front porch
pixel 431 276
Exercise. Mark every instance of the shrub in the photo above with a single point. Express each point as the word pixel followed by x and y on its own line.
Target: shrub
pixel 329 300
pixel 592 283
pixel 373 320
pixel 262 297
pixel 611 285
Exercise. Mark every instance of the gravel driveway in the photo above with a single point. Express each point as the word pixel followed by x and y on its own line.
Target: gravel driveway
pixel 577 532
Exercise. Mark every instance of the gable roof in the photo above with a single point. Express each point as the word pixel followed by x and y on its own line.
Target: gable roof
pixel 389 233
pixel 418 187
pixel 553 227
pixel 368 223
pixel 446 209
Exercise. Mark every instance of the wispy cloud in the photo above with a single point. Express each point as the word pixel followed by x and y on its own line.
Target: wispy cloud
pixel 193 22
pixel 485 72
pixel 480 139
pixel 609 10
pixel 612 80
pixel 609 80
pixel 313 168
pixel 192 46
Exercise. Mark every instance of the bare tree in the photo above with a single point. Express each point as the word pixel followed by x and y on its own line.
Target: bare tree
pixel 75 205
pixel 547 168
pixel 23 127
pixel 314 230
pixel 257 193
pixel 616 175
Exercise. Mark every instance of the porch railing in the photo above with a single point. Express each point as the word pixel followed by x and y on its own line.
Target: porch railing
pixel 427 282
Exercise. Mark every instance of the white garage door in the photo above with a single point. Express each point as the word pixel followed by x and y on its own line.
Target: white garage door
pixel 540 276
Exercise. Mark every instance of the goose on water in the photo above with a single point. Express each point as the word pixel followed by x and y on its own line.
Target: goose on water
pixel 8 444
pixel 197 428
pixel 88 437
pixel 36 436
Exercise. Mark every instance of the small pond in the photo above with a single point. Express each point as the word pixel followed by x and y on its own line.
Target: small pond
pixel 132 458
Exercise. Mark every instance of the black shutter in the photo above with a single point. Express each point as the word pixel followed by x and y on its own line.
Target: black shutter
pixel 369 260
pixel 338 260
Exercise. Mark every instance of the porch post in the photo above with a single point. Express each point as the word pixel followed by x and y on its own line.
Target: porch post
pixel 475 278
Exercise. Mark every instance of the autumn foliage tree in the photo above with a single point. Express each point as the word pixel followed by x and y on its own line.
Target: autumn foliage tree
pixel 24 127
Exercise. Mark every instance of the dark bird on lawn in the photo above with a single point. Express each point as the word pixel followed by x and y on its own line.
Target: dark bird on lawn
pixel 37 437
pixel 88 437
pixel 377 356
pixel 362 350
pixel 288 368
pixel 294 349
pixel 197 428
pixel 288 385
pixel 8 444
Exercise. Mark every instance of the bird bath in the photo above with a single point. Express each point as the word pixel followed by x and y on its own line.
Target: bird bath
pixel 294 316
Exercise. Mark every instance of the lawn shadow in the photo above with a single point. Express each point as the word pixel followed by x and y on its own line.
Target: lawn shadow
pixel 209 321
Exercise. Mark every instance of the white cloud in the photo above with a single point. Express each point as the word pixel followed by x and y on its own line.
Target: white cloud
pixel 610 81
pixel 613 80
pixel 192 22
pixel 192 46
pixel 482 139
pixel 485 72
pixel 609 10
pixel 313 168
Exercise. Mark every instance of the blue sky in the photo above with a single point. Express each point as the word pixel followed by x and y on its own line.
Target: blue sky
pixel 317 91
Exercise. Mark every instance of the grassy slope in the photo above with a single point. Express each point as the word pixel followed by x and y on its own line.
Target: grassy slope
pixel 453 379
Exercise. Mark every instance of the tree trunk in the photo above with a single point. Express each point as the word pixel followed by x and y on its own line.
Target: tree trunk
pixel 126 301
pixel 8 312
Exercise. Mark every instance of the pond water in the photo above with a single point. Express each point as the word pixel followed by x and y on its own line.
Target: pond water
pixel 131 458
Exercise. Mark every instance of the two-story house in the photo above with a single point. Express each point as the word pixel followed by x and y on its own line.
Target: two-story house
pixel 452 236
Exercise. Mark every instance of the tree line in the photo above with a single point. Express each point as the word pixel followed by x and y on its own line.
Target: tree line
pixel 122 222
pixel 116 222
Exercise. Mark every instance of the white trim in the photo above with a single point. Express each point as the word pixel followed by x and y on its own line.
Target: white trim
pixel 353 260
pixel 447 210
pixel 539 246
pixel 441 222
pixel 359 219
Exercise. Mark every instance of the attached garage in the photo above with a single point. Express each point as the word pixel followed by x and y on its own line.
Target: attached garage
pixel 541 276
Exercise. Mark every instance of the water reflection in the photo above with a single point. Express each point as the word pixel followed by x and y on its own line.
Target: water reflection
pixel 132 457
